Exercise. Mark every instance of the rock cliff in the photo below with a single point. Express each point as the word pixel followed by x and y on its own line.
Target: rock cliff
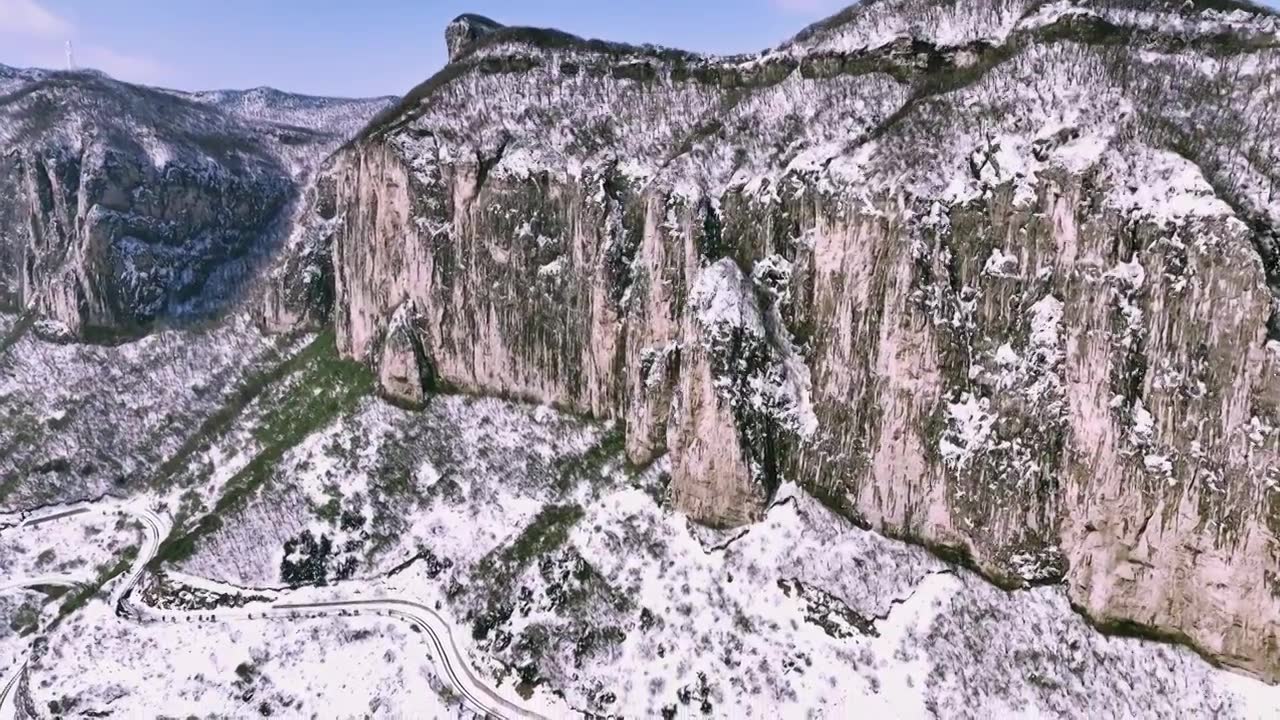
pixel 121 205
pixel 997 277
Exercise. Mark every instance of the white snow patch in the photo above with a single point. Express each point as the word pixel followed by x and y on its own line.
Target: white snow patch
pixel 1000 264
pixel 1046 323
pixel 725 301
pixel 1166 187
pixel 552 269
pixel 969 425
pixel 1142 433
pixel 1158 464
pixel 1130 274
pixel 1006 356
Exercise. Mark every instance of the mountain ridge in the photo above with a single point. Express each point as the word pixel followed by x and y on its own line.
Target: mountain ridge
pixel 1000 278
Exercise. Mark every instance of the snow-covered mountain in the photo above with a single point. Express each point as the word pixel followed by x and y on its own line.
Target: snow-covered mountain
pixel 926 365
pixel 1000 277
pixel 125 204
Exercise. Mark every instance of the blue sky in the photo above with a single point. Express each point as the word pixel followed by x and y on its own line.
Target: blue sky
pixel 343 47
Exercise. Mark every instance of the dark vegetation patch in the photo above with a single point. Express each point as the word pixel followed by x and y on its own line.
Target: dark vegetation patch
pixel 326 388
pixel 216 425
pixel 17 332
pixel 80 596
pixel 164 592
pixel 310 560
pixel 435 566
pixel 25 620
pixel 693 695
pixel 547 532
pixel 494 577
pixel 593 619
pixel 828 612
pixel 589 467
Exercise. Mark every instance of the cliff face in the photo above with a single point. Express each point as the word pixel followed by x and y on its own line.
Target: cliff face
pixel 996 277
pixel 121 205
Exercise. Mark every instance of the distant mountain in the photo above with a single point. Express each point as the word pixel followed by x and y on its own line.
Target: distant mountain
pixel 340 117
pixel 122 204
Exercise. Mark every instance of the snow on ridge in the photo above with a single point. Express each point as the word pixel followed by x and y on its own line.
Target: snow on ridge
pixel 1053 12
pixel 341 116
pixel 1050 107
pixel 1208 21
pixel 547 121
pixel 1161 186
pixel 874 25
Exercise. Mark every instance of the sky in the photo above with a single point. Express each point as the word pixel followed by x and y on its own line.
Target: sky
pixel 349 48
pixel 352 48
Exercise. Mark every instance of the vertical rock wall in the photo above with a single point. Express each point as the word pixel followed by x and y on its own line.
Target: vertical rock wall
pixel 1050 389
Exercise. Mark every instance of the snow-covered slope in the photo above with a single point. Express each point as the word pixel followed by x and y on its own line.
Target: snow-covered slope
pixel 78 421
pixel 564 571
pixel 998 276
pixel 341 117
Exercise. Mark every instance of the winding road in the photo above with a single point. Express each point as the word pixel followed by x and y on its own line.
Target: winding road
pixel 475 693
pixel 6 693
pixel 7 690
pixel 12 680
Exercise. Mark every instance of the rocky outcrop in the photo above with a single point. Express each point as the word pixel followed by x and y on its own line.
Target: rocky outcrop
pixel 995 286
pixel 122 205
pixel 465 30
pixel 404 372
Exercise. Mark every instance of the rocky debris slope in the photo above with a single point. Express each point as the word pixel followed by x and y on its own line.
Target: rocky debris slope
pixel 998 277
pixel 121 205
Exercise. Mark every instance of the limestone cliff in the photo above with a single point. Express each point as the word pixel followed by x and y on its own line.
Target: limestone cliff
pixel 997 277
